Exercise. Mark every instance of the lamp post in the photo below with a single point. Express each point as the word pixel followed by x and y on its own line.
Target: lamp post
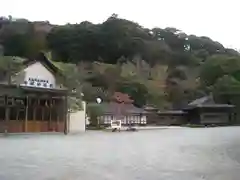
pixel 99 101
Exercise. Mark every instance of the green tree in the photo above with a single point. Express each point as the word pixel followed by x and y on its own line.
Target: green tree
pixel 9 66
pixel 226 85
pixel 21 38
pixel 226 90
pixel 217 66
pixel 94 111
pixel 137 91
pixel 74 79
pixel 173 37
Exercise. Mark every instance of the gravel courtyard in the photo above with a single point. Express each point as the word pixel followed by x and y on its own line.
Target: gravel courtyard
pixel 168 154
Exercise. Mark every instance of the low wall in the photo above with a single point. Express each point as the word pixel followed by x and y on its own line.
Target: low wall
pixel 40 126
pixel 16 126
pixel 13 126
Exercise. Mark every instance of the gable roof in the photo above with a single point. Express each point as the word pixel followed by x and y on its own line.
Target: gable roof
pixel 207 101
pixel 202 100
pixel 45 61
pixel 113 108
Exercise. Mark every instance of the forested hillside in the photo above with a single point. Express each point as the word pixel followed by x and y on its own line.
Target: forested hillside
pixel 163 67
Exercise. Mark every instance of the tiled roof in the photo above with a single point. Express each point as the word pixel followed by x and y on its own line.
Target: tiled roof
pixel 115 108
pixel 202 100
pixel 172 112
pixel 207 101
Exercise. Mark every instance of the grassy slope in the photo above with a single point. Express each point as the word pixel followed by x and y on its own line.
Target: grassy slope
pixel 155 84
pixel 153 78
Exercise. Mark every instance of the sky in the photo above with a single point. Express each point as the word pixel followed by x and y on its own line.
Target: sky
pixel 217 19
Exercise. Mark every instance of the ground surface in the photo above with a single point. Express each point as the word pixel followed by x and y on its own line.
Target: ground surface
pixel 168 154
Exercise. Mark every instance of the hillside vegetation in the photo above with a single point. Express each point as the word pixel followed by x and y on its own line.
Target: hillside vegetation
pixel 166 67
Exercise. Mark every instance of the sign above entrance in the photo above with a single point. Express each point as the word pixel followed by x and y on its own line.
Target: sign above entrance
pixel 35 82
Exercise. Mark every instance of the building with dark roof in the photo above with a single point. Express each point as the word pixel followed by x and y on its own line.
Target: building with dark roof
pixel 200 111
pixel 171 117
pixel 206 111
pixel 127 113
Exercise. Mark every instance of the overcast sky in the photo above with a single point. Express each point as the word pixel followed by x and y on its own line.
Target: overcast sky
pixel 218 19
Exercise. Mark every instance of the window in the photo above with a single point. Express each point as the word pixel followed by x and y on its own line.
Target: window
pixel 2 113
pixel 10 101
pixel 143 120
pixel 128 119
pixel 19 101
pixel 13 113
pixel 107 119
pixel 38 114
pixel 53 114
pixel 138 119
pixel 30 113
pixel 2 100
pixel 42 102
pixel 33 102
pixel 125 120
pixel 46 114
pixel 21 114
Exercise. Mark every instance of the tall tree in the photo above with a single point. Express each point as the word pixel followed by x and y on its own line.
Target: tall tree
pixel 9 66
pixel 217 66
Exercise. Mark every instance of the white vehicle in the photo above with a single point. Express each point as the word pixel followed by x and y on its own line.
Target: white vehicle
pixel 116 125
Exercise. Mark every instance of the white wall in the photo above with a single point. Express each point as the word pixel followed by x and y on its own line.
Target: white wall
pixel 137 119
pixel 77 120
pixel 39 71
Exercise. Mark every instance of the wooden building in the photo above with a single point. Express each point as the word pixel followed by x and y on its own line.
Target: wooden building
pixel 36 101
pixel 156 117
pixel 121 108
pixel 129 114
pixel 151 115
pixel 201 111
pixel 206 111
pixel 171 117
